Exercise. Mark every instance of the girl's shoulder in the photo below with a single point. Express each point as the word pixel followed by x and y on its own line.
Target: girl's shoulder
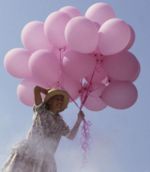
pixel 40 110
pixel 39 107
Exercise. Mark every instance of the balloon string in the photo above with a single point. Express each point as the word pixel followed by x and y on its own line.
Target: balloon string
pixel 85 139
pixel 75 102
pixel 85 131
pixel 89 86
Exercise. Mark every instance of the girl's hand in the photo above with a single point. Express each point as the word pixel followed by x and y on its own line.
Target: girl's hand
pixel 80 116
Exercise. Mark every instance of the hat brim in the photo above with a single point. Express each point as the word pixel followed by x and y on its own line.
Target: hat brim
pixel 55 92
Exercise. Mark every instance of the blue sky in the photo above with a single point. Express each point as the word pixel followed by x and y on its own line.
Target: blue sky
pixel 120 138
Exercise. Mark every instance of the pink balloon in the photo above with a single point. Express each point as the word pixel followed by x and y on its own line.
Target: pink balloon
pixel 54 28
pixel 97 90
pixel 45 67
pixel 119 94
pixel 93 101
pixel 123 66
pixel 71 11
pixel 81 35
pixel 132 38
pixel 77 65
pixel 25 92
pixel 72 86
pixel 100 12
pixel 114 35
pixel 33 36
pixel 92 90
pixel 16 62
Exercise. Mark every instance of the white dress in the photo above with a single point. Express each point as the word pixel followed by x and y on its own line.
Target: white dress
pixel 36 152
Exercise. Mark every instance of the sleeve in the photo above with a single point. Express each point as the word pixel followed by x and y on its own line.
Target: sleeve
pixel 39 117
pixel 39 109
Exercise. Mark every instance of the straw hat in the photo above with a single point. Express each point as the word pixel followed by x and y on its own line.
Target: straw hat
pixel 54 92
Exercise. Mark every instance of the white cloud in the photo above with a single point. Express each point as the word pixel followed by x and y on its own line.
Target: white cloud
pixel 100 158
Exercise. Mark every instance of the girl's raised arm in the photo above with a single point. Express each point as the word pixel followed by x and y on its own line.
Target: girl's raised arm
pixel 37 94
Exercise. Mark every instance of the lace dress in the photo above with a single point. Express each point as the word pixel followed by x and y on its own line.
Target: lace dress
pixel 36 152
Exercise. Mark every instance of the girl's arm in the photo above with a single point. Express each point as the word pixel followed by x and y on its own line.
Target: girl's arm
pixel 74 130
pixel 37 94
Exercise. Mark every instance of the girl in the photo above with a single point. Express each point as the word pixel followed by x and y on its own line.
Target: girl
pixel 36 152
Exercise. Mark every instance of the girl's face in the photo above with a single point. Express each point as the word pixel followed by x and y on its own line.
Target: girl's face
pixel 56 103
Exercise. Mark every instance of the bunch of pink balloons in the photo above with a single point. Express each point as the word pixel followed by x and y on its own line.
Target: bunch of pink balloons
pixel 87 55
